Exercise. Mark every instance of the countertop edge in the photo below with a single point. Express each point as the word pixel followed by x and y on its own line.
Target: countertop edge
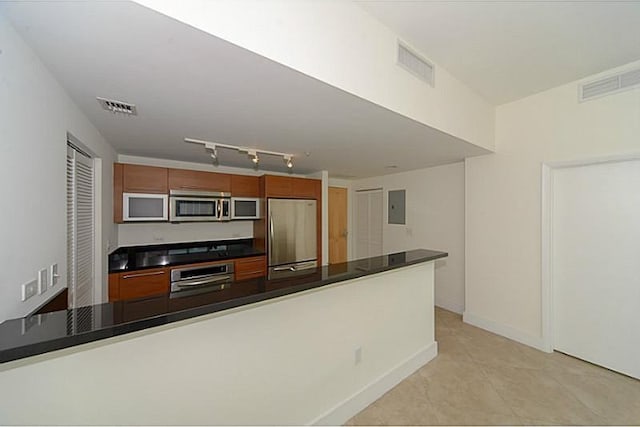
pixel 60 343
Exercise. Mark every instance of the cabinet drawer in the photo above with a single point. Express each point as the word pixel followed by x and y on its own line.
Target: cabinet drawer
pixel 182 179
pixel 249 268
pixel 137 284
pixel 144 179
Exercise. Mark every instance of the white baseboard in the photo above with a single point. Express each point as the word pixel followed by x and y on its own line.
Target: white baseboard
pixel 450 306
pixel 355 403
pixel 504 330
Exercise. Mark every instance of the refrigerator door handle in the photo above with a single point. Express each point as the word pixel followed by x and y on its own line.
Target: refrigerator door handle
pixel 270 236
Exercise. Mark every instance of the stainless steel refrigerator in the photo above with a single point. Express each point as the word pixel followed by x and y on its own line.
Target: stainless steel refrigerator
pixel 292 236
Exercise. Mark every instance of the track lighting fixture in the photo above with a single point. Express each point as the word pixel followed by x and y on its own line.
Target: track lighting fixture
pixel 287 160
pixel 251 152
pixel 254 156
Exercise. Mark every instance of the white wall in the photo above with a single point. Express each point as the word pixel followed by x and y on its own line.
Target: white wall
pixel 503 196
pixel 289 361
pixel 36 114
pixel 434 220
pixel 343 45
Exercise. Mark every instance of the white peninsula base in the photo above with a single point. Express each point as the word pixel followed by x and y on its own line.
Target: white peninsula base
pixel 315 357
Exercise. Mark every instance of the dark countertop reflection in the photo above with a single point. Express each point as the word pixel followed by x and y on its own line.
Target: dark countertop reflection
pixel 42 333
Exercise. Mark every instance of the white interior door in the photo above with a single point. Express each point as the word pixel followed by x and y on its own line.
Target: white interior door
pixel 596 264
pixel 369 216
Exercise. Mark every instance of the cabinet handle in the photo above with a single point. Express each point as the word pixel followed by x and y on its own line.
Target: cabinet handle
pixel 130 276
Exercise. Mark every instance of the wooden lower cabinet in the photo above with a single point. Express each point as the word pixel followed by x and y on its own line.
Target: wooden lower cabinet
pixel 250 268
pixel 138 284
pixel 157 281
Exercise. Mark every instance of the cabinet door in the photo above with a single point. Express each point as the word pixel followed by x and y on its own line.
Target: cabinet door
pixel 245 186
pixel 182 179
pixel 143 283
pixel 305 188
pixel 249 268
pixel 144 179
pixel 278 186
pixel 114 287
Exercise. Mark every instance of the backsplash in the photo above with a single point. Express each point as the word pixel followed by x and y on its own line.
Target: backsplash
pixel 155 233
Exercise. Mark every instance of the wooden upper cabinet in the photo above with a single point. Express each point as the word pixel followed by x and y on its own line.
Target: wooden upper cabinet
pixel 144 179
pixel 277 186
pixel 290 187
pixel 306 188
pixel 245 186
pixel 183 179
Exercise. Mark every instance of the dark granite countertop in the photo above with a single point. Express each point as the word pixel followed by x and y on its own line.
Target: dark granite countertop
pixel 42 333
pixel 133 258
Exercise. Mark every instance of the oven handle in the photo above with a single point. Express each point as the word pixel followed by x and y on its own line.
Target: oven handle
pixel 189 283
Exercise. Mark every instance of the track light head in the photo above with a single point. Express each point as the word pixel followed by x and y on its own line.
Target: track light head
pixel 288 161
pixel 254 156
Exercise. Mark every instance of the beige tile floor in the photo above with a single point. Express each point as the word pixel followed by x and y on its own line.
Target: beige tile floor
pixel 479 378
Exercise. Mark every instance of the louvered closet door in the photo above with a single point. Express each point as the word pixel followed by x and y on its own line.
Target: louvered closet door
pixel 80 228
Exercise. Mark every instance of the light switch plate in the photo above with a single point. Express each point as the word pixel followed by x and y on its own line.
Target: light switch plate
pixel 42 281
pixel 29 290
pixel 53 275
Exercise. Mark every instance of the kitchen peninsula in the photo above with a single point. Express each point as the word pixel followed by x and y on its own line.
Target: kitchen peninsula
pixel 314 348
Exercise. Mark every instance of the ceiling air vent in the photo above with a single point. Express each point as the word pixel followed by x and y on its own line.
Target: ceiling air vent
pixel 118 106
pixel 610 85
pixel 415 64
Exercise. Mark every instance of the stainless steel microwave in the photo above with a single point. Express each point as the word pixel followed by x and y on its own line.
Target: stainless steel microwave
pixel 245 208
pixel 144 207
pixel 190 206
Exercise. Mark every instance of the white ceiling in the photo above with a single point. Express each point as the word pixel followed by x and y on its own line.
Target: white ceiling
pixel 507 50
pixel 187 83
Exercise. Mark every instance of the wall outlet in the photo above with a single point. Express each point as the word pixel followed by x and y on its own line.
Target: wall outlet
pixel 43 281
pixel 53 275
pixel 358 355
pixel 29 290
